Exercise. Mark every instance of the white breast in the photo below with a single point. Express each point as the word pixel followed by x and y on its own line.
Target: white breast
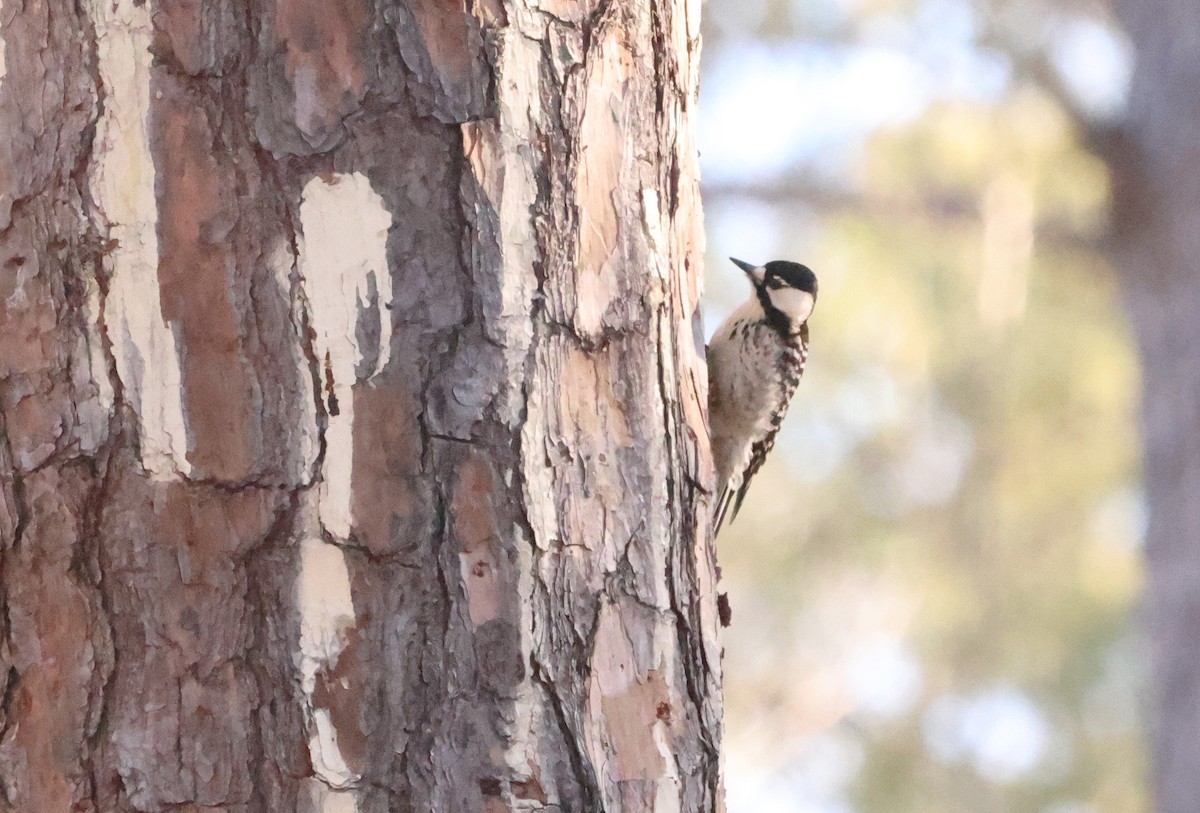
pixel 744 389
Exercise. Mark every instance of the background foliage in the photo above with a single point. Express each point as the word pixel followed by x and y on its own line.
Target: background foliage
pixel 934 580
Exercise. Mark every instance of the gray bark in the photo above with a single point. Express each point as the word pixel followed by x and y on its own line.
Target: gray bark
pixel 1155 161
pixel 352 445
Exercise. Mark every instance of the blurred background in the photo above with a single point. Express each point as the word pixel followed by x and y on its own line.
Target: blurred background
pixel 935 580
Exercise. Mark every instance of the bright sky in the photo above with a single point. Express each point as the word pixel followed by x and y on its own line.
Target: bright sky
pixel 808 104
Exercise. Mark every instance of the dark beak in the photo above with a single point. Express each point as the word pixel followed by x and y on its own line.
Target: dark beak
pixel 745 266
pixel 755 278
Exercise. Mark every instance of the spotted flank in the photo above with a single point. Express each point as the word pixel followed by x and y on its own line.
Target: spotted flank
pixel 790 369
pixel 755 361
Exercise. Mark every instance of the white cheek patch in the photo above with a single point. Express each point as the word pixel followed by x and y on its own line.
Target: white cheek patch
pixel 794 303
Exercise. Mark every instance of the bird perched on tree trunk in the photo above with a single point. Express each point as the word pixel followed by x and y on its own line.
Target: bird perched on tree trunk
pixel 755 360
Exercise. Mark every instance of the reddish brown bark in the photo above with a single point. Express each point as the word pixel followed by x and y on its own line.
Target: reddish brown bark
pixel 350 413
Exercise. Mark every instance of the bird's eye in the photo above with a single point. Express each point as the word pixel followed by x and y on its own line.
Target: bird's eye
pixel 774 282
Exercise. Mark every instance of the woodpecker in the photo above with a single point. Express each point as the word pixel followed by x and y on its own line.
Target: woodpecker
pixel 755 360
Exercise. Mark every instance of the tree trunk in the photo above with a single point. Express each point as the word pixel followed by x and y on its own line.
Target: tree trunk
pixel 352 408
pixel 1155 161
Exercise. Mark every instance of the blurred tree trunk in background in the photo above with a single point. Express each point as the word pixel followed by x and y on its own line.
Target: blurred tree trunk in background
pixel 350 410
pixel 1154 156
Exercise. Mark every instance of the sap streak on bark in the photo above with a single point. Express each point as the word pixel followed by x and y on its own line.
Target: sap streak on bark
pixel 343 265
pixel 347 286
pixel 144 347
pixel 326 622
pixel 322 799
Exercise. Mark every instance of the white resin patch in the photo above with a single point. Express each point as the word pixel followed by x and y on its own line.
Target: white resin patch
pixel 122 185
pixel 343 265
pixel 327 800
pixel 327 760
pixel 326 618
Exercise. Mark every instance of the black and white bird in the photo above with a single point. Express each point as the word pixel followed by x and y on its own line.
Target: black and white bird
pixel 755 360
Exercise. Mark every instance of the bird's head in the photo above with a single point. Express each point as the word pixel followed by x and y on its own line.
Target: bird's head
pixel 786 288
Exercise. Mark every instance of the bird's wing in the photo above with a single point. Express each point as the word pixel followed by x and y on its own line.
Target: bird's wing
pixel 759 451
pixel 758 454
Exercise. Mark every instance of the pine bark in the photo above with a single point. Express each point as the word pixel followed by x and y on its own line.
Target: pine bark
pixel 1153 157
pixel 352 442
